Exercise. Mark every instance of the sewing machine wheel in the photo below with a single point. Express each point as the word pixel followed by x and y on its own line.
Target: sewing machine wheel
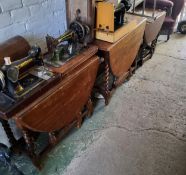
pixel 87 29
pixel 2 81
pixel 79 29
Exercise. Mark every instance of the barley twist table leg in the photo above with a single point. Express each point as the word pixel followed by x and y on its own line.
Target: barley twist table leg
pixel 106 83
pixel 29 142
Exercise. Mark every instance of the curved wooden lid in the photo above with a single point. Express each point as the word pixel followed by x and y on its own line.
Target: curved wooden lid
pixel 16 48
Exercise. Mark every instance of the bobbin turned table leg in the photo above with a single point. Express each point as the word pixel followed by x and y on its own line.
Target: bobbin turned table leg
pixel 29 142
pixel 106 83
pixel 8 132
pixel 52 138
pixel 79 120
pixel 89 107
pixel 31 148
pixel 153 44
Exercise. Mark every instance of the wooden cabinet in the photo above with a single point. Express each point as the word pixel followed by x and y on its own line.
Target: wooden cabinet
pixel 10 49
pixel 119 56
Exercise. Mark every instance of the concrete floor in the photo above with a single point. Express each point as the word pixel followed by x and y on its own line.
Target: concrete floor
pixel 141 132
pixel 145 123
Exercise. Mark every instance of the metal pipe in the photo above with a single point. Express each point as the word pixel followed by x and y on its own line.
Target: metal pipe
pixel 154 8
pixel 144 5
pixel 134 4
pixel 150 19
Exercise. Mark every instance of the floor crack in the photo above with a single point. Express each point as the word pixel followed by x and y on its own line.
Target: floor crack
pixel 141 130
pixel 170 56
pixel 153 81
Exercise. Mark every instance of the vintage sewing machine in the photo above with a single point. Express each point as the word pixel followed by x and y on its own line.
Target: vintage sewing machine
pixel 71 43
pixel 80 23
pixel 21 79
pixel 112 23
pixel 86 11
pixel 110 15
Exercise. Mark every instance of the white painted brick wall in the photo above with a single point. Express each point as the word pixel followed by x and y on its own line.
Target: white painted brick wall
pixel 33 19
pixel 7 5
pixel 5 20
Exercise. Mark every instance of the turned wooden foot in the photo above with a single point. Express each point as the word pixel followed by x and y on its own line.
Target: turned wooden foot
pixel 31 148
pixel 52 138
pixel 29 142
pixel 90 107
pixel 142 55
pixel 130 73
pixel 134 65
pixel 79 120
pixel 153 45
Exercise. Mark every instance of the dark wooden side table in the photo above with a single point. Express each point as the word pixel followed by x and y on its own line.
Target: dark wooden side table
pixel 119 56
pixel 55 106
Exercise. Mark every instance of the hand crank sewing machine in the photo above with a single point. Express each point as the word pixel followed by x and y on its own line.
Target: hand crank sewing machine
pixel 21 79
pixel 75 40
pixel 68 45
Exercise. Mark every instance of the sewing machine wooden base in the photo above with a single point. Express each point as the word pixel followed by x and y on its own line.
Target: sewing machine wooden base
pixel 119 57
